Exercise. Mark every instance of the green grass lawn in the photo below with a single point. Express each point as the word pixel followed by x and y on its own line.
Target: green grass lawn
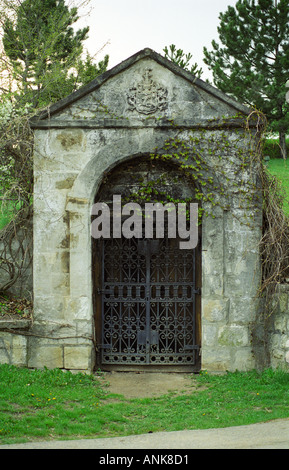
pixel 280 168
pixel 51 404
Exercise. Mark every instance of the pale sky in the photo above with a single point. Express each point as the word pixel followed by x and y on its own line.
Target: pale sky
pixel 131 25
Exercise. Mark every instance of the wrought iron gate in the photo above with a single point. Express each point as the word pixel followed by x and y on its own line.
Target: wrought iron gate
pixel 148 303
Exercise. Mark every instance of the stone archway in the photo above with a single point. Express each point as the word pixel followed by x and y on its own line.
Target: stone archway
pixel 88 134
pixel 78 208
pixel 147 297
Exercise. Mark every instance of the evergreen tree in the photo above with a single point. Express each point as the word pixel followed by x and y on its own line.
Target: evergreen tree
pixel 182 60
pixel 45 51
pixel 252 62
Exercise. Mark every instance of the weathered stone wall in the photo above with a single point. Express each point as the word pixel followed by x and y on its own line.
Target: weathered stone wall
pixel 62 259
pixel 14 342
pixel 233 342
pixel 229 304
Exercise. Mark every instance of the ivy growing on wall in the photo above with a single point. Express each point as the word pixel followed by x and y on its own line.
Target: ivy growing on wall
pixel 200 154
pixel 216 163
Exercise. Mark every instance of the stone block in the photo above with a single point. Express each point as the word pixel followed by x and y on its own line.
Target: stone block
pixel 77 357
pixel 280 322
pixel 68 141
pixel 216 359
pixel 46 356
pixel 84 328
pixel 48 308
pixel 242 283
pixel 233 335
pixel 275 341
pixel 215 310
pixel 242 309
pixel 243 360
pixel 78 308
pixel 13 349
pixel 278 354
pixel 209 335
pixel 80 274
pixel 283 302
pixel 5 348
pixel 19 350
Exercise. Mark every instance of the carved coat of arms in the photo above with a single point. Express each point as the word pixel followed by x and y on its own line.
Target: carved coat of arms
pixel 147 96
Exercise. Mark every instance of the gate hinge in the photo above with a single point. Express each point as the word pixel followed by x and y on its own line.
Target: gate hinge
pixel 104 291
pixel 198 291
pixel 192 347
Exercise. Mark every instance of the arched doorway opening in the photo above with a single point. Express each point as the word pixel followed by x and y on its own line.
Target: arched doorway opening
pixel 146 291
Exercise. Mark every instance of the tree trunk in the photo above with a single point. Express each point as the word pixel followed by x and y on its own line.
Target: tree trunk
pixel 282 143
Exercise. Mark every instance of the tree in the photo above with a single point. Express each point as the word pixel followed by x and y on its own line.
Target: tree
pixel 41 61
pixel 86 70
pixel 252 62
pixel 45 51
pixel 182 60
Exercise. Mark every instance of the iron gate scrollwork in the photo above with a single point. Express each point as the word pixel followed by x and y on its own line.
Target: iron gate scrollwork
pixel 148 302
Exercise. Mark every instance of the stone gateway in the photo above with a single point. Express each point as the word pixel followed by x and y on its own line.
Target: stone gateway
pixel 144 304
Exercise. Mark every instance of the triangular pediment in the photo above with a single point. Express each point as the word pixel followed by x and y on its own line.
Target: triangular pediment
pixel 144 86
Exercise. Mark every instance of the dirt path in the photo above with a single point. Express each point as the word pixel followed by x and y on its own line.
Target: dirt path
pixel 146 384
pixel 271 435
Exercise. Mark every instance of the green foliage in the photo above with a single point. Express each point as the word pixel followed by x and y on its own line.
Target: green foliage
pixel 271 148
pixel 45 51
pixel 279 168
pixel 8 208
pixel 252 62
pixel 86 70
pixel 43 58
pixel 182 60
pixel 199 155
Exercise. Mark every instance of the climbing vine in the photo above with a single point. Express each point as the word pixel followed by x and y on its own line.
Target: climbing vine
pixel 215 162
